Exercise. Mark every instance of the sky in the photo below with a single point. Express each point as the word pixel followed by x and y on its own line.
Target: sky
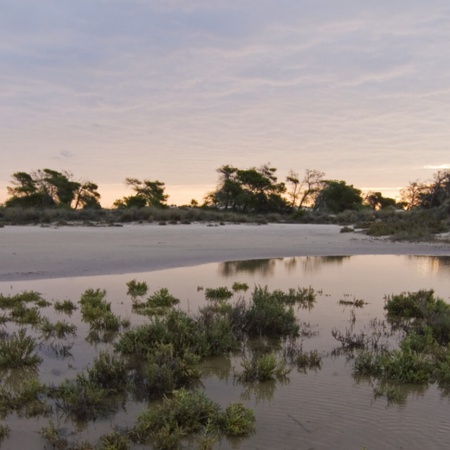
pixel 171 90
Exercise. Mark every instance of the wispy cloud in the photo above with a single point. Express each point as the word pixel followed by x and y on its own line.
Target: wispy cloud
pixel 173 89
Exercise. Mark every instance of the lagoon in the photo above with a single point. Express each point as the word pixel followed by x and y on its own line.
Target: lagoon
pixel 322 408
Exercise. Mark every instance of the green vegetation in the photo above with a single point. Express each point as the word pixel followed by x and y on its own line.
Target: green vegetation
pixel 18 350
pixel 186 414
pixel 65 306
pixel 220 293
pixel 262 368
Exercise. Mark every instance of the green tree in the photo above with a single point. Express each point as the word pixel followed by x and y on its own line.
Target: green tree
pixel 147 193
pixel 249 190
pixel 376 201
pixel 49 188
pixel 337 196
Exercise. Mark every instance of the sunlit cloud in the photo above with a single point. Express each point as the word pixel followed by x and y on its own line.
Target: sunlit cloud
pixel 439 167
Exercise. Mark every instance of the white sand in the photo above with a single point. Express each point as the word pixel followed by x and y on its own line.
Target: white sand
pixel 33 252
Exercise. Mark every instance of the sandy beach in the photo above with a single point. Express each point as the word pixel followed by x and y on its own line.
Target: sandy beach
pixel 34 252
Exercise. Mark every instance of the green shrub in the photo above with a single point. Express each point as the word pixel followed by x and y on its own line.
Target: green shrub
pixel 18 350
pixel 262 368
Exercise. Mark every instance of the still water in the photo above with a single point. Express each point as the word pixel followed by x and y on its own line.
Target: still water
pixel 320 409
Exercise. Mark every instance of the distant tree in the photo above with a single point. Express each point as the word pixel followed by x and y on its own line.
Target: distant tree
pixel 376 201
pixel 147 193
pixel 249 190
pixel 411 196
pixel 437 192
pixel 49 188
pixel 303 192
pixel 337 196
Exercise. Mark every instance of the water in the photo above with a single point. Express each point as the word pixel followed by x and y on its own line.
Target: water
pixel 322 409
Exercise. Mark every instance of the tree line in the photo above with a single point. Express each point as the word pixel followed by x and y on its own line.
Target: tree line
pixel 251 190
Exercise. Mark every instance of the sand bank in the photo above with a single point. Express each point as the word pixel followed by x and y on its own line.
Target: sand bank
pixel 34 252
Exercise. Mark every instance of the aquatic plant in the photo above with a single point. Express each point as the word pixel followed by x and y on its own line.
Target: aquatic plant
pixel 4 432
pixel 136 289
pixel 109 372
pixel 66 306
pixel 164 371
pixel 56 330
pixel 239 287
pixel 220 293
pixel 262 368
pixel 10 301
pixel 268 315
pixel 18 350
pixel 237 420
pixel 114 441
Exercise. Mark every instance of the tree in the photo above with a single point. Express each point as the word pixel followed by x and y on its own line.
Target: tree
pixel 437 192
pixel 303 192
pixel 337 196
pixel 376 201
pixel 49 188
pixel 248 190
pixel 411 196
pixel 147 193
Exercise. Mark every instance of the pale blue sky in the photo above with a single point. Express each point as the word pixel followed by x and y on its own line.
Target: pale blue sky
pixel 172 90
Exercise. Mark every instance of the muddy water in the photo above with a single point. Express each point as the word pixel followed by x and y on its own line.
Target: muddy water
pixel 322 409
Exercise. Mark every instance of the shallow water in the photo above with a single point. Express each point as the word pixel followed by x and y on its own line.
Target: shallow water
pixel 320 409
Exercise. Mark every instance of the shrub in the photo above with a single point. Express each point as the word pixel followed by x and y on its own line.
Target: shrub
pixel 18 350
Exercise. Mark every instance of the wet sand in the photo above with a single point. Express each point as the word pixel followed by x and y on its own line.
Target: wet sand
pixel 34 252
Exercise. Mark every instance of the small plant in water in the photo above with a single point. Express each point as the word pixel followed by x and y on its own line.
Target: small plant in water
pixel 18 350
pixel 136 289
pixel 65 306
pixel 239 287
pixel 220 293
pixel 262 368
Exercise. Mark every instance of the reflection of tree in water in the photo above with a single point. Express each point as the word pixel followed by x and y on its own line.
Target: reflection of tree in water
pixel 311 264
pixel 260 392
pixel 432 264
pixel 263 267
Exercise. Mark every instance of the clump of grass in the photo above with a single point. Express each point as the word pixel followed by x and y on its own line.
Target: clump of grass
pixel 350 340
pixel 109 372
pixel 83 399
pixel 268 315
pixel 237 420
pixel 10 301
pixel 136 289
pixel 22 314
pixel 262 368
pixel 114 441
pixel 57 330
pixel 357 303
pixel 186 414
pixel 220 293
pixel 239 287
pixel 296 356
pixel 58 441
pixel 66 306
pixel 164 371
pixel 18 350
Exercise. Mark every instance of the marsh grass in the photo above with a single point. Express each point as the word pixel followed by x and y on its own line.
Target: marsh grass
pixel 294 354
pixel 114 441
pixel 164 371
pixel 240 287
pixel 189 414
pixel 136 289
pixel 57 439
pixel 10 301
pixel 262 368
pixel 59 329
pixel 84 400
pixel 18 350
pixel 66 306
pixel 220 293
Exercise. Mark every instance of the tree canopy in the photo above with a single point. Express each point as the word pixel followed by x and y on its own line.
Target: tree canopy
pixel 337 196
pixel 147 193
pixel 49 188
pixel 249 190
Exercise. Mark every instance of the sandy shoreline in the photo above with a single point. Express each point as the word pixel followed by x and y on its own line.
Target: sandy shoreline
pixel 33 252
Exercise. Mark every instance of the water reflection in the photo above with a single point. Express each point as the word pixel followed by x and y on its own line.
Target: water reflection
pixel 263 267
